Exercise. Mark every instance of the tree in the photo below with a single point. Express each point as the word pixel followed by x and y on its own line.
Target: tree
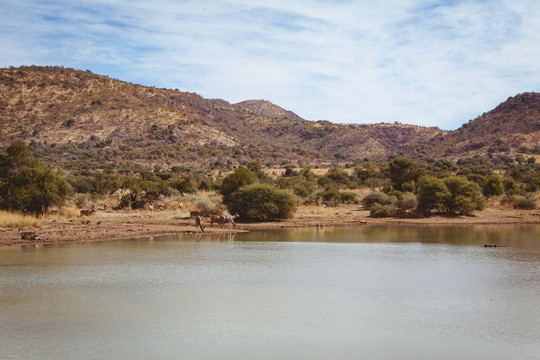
pixel 185 184
pixel 28 186
pixel 431 193
pixel 403 171
pixel 262 202
pixel 232 182
pixel 463 196
pixel 493 187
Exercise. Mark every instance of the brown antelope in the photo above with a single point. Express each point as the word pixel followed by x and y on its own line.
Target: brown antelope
pixel 216 219
pixel 87 212
pixel 28 235
pixel 229 219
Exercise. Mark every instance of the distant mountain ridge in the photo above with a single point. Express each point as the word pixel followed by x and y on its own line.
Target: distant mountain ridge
pixel 76 119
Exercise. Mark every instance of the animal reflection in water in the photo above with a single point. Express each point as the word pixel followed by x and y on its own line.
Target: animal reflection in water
pixel 28 235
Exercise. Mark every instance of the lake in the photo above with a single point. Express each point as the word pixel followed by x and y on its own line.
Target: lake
pixel 336 293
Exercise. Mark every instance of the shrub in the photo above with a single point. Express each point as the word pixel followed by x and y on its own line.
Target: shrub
pixel 407 201
pixel 463 196
pixel 431 193
pixel 185 184
pixel 378 211
pixel 493 186
pixel 520 202
pixel 377 197
pixel 28 186
pixel 232 182
pixel 331 196
pixel 262 202
pixel 525 203
pixel 348 197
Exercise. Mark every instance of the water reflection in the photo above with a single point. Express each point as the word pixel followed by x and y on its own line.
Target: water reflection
pixel 500 235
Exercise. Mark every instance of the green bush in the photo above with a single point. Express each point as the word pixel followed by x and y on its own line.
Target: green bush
pixel 185 184
pixel 262 202
pixel 407 201
pixel 520 202
pixel 28 186
pixel 377 197
pixel 348 197
pixel 463 196
pixel 378 211
pixel 232 182
pixel 331 196
pixel 431 194
pixel 493 186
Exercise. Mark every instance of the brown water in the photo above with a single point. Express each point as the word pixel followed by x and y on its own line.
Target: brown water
pixel 345 293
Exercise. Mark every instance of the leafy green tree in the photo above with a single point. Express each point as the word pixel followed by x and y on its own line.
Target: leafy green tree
pixel 262 202
pixel 493 187
pixel 185 184
pixel 463 196
pixel 28 186
pixel 366 170
pixel 242 176
pixel 431 194
pixel 403 171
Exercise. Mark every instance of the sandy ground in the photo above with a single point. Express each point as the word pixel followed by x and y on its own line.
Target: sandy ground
pixel 113 225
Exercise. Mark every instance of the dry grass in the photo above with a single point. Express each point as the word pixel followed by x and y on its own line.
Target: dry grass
pixel 316 210
pixel 18 220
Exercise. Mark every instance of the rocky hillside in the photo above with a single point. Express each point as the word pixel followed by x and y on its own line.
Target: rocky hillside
pixel 76 119
pixel 512 127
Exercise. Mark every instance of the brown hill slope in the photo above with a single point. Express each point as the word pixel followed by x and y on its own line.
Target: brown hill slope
pixel 513 126
pixel 77 119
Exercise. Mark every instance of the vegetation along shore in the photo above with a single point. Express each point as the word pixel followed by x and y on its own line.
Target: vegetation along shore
pixel 84 157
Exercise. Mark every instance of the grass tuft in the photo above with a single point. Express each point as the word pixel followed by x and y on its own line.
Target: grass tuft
pixel 17 220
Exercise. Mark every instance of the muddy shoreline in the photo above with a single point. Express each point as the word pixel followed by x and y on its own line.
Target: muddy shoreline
pixel 107 225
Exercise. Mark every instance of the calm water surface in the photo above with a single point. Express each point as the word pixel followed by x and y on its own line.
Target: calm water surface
pixel 344 293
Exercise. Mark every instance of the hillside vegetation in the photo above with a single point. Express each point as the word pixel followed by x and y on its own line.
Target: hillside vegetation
pixel 77 119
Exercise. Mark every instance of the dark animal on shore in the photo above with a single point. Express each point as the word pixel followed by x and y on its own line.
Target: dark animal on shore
pixel 198 223
pixel 28 235
pixel 87 212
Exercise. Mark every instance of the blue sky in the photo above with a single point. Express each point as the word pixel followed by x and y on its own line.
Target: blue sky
pixel 424 62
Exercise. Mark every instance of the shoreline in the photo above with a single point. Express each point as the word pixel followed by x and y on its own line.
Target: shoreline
pixel 108 225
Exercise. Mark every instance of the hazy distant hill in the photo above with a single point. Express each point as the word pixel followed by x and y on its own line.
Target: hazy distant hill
pixel 77 119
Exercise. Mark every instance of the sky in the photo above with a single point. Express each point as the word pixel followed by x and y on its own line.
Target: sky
pixel 422 62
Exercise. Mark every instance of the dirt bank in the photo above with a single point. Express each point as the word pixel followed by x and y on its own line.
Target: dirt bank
pixel 112 225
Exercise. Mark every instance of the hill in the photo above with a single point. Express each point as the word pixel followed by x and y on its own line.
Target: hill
pixel 77 119
pixel 512 127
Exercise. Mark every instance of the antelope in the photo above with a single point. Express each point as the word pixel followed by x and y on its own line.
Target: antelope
pixel 229 219
pixel 28 235
pixel 215 219
pixel 87 212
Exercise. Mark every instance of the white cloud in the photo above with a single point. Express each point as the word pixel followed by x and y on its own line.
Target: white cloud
pixel 429 63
